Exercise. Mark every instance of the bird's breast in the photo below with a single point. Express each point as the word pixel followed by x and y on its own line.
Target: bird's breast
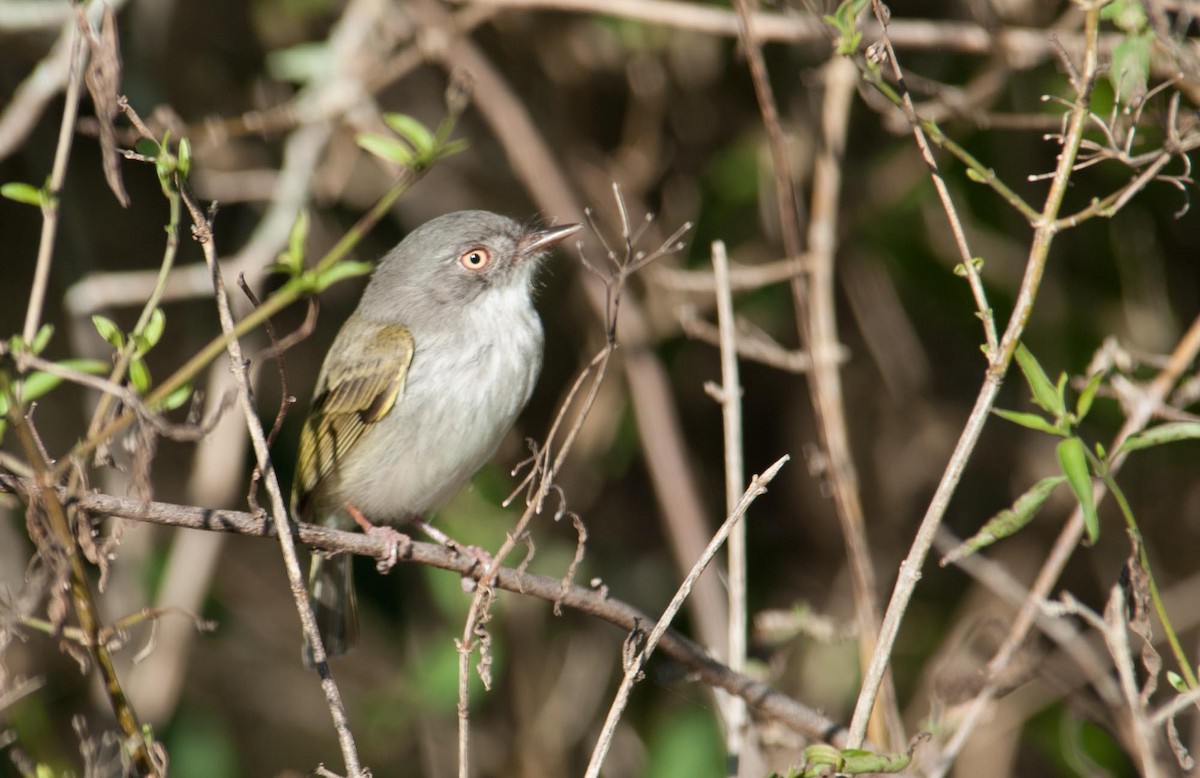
pixel 463 391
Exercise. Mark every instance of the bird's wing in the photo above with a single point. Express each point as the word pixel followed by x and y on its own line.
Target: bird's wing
pixel 361 381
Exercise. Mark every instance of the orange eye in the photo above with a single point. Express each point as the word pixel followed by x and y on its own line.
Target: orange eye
pixel 476 259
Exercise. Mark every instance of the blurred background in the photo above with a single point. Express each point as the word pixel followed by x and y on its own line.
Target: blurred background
pixel 570 98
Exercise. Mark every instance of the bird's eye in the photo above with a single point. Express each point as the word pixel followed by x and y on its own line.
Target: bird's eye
pixel 475 259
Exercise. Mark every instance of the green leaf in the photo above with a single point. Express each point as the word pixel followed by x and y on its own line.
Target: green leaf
pixel 1084 404
pixel 961 268
pixel 147 148
pixel 1072 458
pixel 165 165
pixel 412 131
pixel 108 330
pixel 856 761
pixel 42 338
pixel 339 272
pixel 1044 393
pixel 89 366
pixel 293 260
pixel 1130 68
pixel 1127 15
pixel 139 375
pixel 1008 521
pixel 153 331
pixel 1177 682
pixel 177 398
pixel 185 157
pixel 450 149
pixel 1030 420
pixel 820 756
pixel 39 383
pixel 23 193
pixel 1164 433
pixel 386 148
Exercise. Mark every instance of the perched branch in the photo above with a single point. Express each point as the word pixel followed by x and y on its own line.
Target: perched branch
pixel 762 699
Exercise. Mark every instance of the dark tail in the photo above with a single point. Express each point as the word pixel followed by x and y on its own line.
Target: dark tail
pixel 331 592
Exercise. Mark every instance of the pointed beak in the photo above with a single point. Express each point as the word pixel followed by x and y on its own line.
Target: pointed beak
pixel 541 240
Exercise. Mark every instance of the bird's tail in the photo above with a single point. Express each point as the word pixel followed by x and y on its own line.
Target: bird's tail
pixel 331 592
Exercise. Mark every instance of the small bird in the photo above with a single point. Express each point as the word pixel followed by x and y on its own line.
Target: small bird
pixel 419 387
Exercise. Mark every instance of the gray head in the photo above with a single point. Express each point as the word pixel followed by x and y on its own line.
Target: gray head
pixel 453 262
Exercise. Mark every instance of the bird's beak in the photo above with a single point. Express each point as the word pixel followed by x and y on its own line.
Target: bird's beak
pixel 535 242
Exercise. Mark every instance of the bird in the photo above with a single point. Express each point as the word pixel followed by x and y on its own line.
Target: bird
pixel 419 387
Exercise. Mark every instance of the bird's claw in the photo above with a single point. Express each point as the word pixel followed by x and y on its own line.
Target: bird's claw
pixel 396 540
pixel 396 543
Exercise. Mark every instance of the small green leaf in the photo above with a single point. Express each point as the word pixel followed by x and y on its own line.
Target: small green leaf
pixel 1170 432
pixel 23 193
pixel 154 328
pixel 1060 388
pixel 185 157
pixel 450 148
pixel 856 761
pixel 341 271
pixel 109 330
pixel 147 148
pixel 961 269
pixel 1044 393
pixel 820 755
pixel 1084 404
pixel 1130 68
pixel 89 366
pixel 976 176
pixel 1127 15
pixel 1072 458
pixel 294 259
pixel 177 398
pixel 42 338
pixel 412 131
pixel 1008 521
pixel 140 344
pixel 1030 420
pixel 1177 682
pixel 165 164
pixel 139 375
pixel 39 383
pixel 386 148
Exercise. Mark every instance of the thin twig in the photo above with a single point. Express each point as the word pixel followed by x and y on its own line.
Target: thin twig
pixel 1027 45
pixel 279 512
pixel 729 395
pixel 966 258
pixel 50 201
pixel 817 320
pixel 634 668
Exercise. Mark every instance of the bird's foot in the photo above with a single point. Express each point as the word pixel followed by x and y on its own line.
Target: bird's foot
pixel 397 541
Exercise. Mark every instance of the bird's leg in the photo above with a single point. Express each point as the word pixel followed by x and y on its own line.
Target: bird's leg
pixel 395 540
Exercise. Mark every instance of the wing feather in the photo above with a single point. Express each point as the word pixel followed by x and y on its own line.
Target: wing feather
pixel 360 382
